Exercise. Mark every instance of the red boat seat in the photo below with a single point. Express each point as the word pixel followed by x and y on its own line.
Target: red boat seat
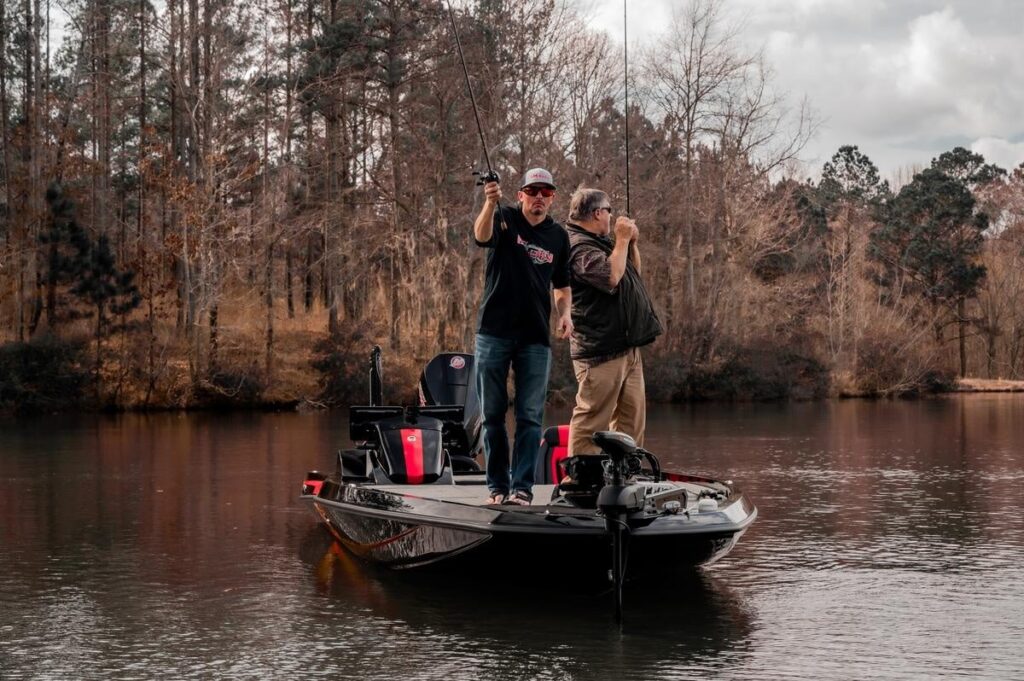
pixel 554 447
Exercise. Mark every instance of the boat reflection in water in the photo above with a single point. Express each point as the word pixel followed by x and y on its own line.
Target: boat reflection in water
pixel 556 623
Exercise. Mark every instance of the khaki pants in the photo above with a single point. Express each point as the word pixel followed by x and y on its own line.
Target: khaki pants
pixel 610 397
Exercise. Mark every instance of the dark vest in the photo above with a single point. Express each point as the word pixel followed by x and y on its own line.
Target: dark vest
pixel 609 323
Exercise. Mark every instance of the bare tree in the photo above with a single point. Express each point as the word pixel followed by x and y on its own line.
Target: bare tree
pixel 690 74
pixel 731 133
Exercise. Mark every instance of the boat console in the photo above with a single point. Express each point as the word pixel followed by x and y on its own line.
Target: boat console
pixel 419 444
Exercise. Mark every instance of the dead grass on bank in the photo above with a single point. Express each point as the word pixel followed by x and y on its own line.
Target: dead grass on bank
pixel 988 385
pixel 134 380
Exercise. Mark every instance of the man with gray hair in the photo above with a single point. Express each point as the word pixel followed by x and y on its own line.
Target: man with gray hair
pixel 612 317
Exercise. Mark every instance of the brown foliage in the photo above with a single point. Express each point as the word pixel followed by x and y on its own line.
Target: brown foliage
pixel 301 190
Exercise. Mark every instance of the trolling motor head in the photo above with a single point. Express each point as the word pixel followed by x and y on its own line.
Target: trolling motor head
pixel 588 476
pixel 616 445
pixel 617 496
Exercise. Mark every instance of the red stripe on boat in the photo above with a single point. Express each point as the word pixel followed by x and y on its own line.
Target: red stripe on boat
pixel 561 451
pixel 412 447
pixel 314 487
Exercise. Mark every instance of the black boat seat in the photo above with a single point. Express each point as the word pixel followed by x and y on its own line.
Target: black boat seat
pixel 362 420
pixel 554 447
pixel 410 452
pixel 450 379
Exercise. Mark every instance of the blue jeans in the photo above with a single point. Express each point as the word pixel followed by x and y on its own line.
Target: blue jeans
pixel 531 364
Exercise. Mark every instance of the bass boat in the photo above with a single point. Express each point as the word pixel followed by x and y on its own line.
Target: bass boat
pixel 411 494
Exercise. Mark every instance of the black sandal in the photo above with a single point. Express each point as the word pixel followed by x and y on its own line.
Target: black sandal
pixel 497 498
pixel 520 498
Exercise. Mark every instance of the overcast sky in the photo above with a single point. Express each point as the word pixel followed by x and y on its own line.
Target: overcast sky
pixel 904 80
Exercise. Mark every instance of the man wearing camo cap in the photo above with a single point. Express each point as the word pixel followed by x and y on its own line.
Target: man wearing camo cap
pixel 527 257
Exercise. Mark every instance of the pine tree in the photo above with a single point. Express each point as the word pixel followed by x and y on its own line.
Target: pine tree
pixel 88 269
pixel 928 244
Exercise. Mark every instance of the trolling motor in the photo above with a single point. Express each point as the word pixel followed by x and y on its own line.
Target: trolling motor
pixel 617 500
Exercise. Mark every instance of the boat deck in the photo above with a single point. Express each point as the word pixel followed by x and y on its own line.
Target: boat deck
pixel 468 489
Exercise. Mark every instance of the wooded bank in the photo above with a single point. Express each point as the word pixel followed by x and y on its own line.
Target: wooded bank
pixel 230 201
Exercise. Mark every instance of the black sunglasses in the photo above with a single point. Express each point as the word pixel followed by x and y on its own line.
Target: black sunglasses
pixel 601 208
pixel 546 192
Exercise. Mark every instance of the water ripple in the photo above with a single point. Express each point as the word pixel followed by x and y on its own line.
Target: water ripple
pixel 888 546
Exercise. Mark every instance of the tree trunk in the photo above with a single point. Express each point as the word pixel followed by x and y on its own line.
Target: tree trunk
pixel 288 280
pixel 214 337
pixel 687 198
pixel 268 299
pixel 961 323
pixel 208 107
pixel 141 210
pixel 6 151
pixel 193 147
pixel 33 94
pixel 268 209
pixel 172 46
pixel 327 274
pixel 307 296
pixel 990 352
pixel 396 187
pixel 106 122
pixel 151 329
pixel 288 87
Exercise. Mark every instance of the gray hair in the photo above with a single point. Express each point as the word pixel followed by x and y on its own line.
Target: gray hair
pixel 584 202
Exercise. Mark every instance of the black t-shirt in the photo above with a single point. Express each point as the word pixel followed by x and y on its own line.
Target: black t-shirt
pixel 523 264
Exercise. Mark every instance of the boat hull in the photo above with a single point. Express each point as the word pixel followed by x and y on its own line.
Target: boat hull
pixel 405 528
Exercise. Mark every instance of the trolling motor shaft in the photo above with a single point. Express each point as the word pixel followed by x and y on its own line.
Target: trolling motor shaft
pixel 616 500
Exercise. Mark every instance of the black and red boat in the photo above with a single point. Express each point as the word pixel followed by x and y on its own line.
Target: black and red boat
pixel 410 494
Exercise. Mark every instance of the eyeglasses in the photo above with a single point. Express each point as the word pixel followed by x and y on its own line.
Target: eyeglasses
pixel 601 208
pixel 546 192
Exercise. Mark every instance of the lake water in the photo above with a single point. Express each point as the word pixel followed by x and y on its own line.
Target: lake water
pixel 889 545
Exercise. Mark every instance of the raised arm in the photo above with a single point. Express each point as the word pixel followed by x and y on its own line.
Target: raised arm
pixel 624 229
pixel 483 228
pixel 634 251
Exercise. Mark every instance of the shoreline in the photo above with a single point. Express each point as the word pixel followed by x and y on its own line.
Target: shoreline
pixel 965 386
pixel 987 385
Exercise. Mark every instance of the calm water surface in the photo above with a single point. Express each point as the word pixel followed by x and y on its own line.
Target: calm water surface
pixel 890 545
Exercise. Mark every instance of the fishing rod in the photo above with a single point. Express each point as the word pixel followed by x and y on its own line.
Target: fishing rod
pixel 617 499
pixel 490 176
pixel 625 56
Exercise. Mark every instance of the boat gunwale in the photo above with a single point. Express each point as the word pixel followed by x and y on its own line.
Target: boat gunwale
pixel 651 530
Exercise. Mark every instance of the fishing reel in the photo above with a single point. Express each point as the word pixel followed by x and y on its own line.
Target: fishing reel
pixel 485 177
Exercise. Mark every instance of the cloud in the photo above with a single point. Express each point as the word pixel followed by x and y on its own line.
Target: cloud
pixel 1003 153
pixel 905 81
pixel 951 74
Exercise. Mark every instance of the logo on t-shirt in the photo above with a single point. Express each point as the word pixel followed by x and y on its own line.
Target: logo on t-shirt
pixel 537 254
